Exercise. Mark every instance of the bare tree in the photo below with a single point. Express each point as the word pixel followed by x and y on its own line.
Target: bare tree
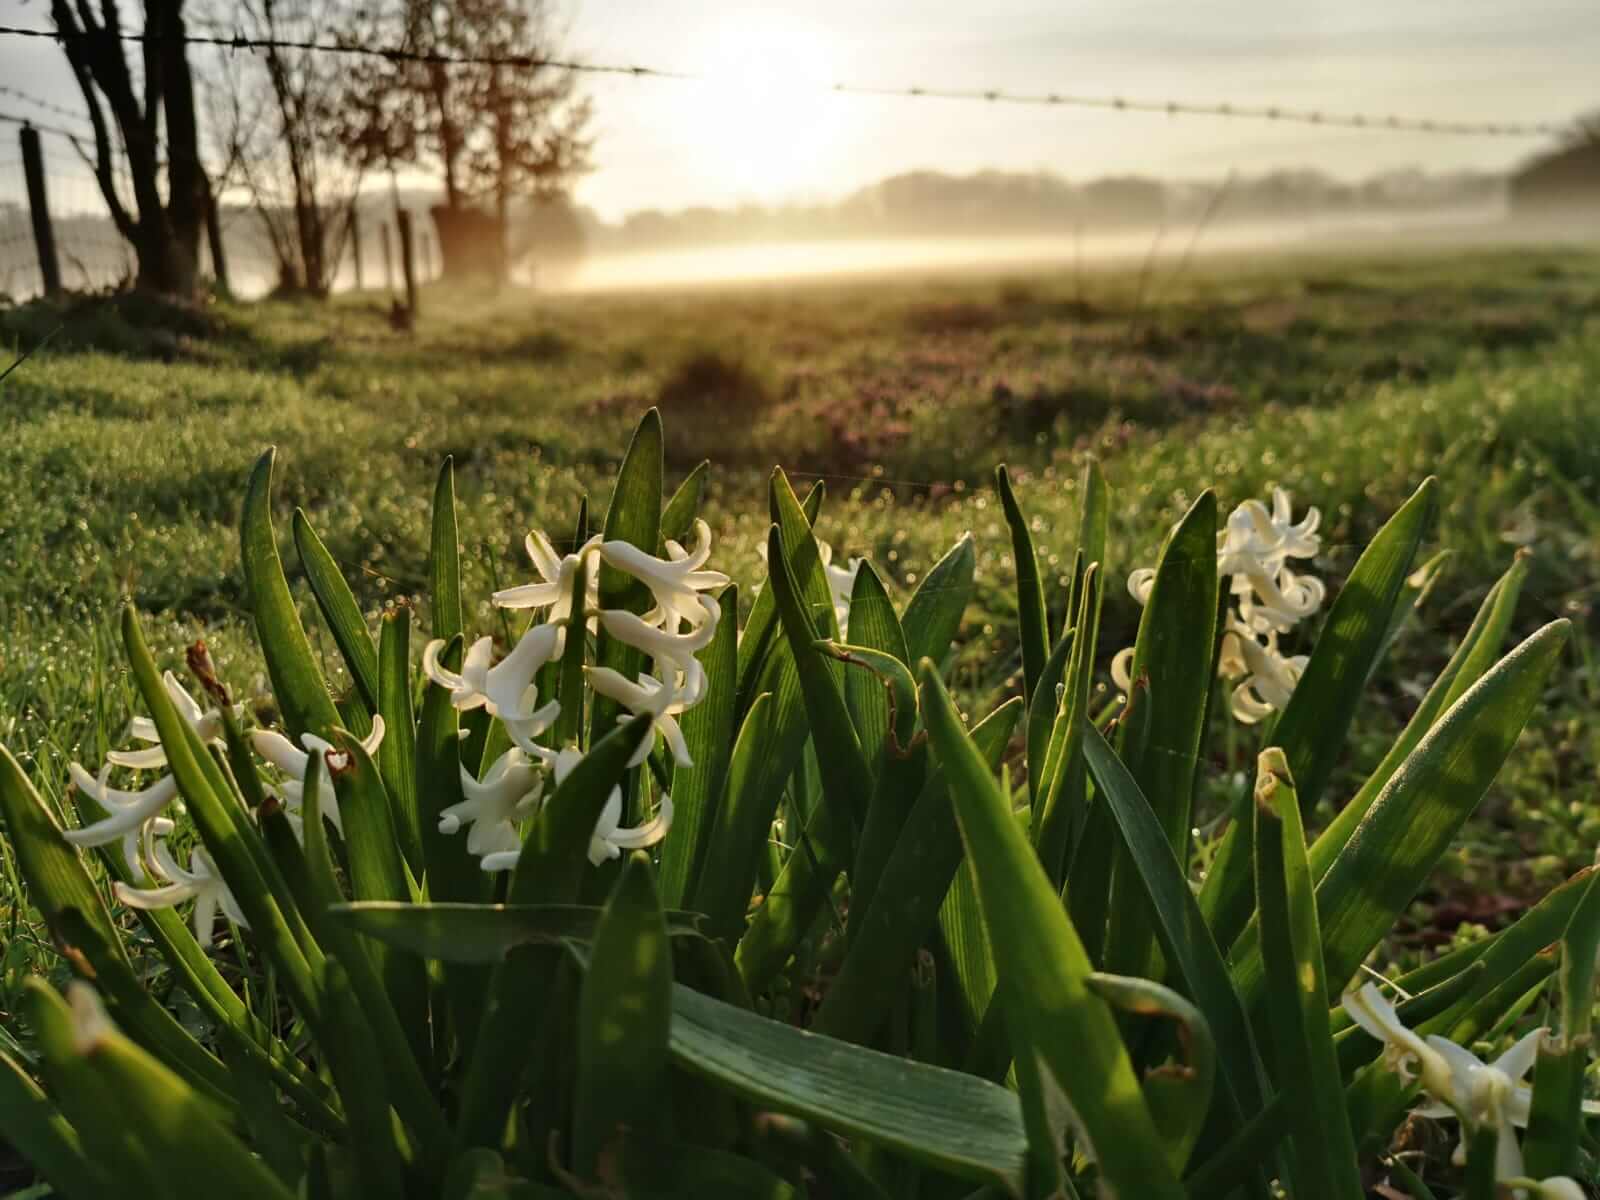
pixel 496 132
pixel 149 114
pixel 275 114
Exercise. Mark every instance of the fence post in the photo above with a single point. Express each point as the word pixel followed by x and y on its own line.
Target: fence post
pixel 219 256
pixel 388 258
pixel 407 263
pixel 355 241
pixel 44 238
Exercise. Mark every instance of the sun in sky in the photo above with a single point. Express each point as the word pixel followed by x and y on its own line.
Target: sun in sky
pixel 760 121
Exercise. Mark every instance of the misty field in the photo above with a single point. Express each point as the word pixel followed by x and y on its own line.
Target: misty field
pixel 126 448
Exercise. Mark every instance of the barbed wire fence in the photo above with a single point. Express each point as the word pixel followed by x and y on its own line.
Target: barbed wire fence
pixel 76 245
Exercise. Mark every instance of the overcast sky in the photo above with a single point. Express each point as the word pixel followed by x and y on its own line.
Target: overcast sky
pixel 763 125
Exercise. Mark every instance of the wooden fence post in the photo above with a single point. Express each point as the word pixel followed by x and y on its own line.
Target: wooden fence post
pixel 407 259
pixel 355 242
pixel 44 238
pixel 388 258
pixel 219 256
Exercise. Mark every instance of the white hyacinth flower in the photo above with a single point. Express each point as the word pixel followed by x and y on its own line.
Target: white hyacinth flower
pixel 128 813
pixel 663 702
pixel 1253 552
pixel 206 724
pixel 556 579
pixel 201 882
pixel 1462 1086
pixel 508 688
pixel 609 840
pixel 675 582
pixel 1269 677
pixel 494 805
pixel 293 762
pixel 664 645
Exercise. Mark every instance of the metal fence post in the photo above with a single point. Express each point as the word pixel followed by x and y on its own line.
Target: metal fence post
pixel 388 258
pixel 219 256
pixel 44 238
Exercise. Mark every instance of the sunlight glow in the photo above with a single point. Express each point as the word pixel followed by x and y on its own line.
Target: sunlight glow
pixel 769 123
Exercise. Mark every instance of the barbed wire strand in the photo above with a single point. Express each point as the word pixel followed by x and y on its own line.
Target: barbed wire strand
pixel 1348 120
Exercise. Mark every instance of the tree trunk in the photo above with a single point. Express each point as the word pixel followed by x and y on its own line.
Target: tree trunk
pixel 164 232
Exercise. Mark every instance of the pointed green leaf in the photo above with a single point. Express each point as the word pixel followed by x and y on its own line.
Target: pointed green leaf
pixel 444 557
pixel 1184 937
pixel 46 1139
pixel 339 609
pixel 1297 993
pixel 1417 815
pixel 397 754
pixel 1479 650
pixel 484 933
pixel 624 1017
pixel 906 906
pixel 1065 1036
pixel 708 731
pixel 1172 680
pixel 55 874
pixel 297 683
pixel 949 1121
pixel 678 513
pixel 933 614
pixel 1032 620
pixel 1311 730
pixel 743 821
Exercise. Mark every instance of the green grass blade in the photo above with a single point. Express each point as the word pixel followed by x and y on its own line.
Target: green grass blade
pixel 1185 939
pixel 397 754
pixel 1060 1029
pixel 933 614
pixel 1172 679
pixel 1032 621
pixel 339 609
pixel 1324 1164
pixel 297 682
pixel 624 1021
pixel 570 727
pixel 1311 730
pixel 906 905
pixel 444 557
pixel 52 868
pixel 708 730
pixel 950 1121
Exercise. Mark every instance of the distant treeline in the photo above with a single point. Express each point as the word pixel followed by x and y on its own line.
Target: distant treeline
pixel 921 203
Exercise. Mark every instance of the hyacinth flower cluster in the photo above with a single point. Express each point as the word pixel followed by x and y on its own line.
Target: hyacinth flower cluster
pixel 681 623
pixel 1267 598
pixel 1462 1087
pixel 137 818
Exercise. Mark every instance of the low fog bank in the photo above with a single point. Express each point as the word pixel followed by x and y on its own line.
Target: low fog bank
pixel 1167 244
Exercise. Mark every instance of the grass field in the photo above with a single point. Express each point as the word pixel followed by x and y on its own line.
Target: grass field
pixel 123 450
